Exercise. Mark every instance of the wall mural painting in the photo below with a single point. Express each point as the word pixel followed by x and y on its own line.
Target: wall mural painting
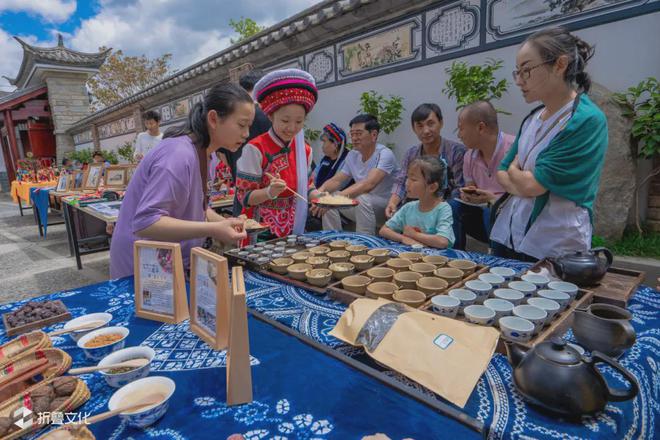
pixel 507 18
pixel 118 127
pixel 381 49
pixel 452 28
pixel 82 138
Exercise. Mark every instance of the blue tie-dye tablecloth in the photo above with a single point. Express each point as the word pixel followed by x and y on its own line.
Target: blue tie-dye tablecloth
pixel 301 393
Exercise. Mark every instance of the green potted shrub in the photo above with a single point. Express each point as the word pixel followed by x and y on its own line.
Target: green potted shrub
pixel 474 83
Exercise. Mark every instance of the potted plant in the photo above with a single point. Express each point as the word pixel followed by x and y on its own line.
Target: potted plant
pixel 474 83
pixel 386 110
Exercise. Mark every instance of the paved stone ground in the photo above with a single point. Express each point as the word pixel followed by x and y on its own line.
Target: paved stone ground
pixel 32 266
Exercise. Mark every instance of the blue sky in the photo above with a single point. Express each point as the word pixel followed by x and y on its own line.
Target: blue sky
pixel 189 30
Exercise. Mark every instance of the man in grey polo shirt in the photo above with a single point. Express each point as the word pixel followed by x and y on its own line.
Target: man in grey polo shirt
pixel 372 167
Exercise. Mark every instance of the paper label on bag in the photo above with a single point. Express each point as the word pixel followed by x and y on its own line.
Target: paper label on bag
pixel 443 341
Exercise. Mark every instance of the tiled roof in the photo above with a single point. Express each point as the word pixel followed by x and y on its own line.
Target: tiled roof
pixel 58 55
pixel 18 93
pixel 314 16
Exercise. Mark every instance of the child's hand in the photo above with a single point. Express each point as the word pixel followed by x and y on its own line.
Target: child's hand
pixel 411 231
pixel 409 241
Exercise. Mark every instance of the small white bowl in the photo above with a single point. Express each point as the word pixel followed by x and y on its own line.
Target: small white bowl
pixel 126 354
pixel 480 288
pixel 143 387
pixel 566 287
pixel 505 272
pixel 533 314
pixel 563 298
pixel 501 307
pixel 81 320
pixel 493 279
pixel 466 297
pixel 528 289
pixel 540 281
pixel 446 305
pixel 480 315
pixel 516 329
pixel 513 296
pixel 98 353
pixel 551 307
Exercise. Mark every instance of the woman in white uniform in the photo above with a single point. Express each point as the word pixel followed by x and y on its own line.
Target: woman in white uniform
pixel 552 171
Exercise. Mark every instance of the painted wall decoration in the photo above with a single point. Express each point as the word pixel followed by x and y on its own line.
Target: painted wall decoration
pixel 81 138
pixel 397 44
pixel 321 65
pixel 508 18
pixel 118 127
pixel 452 28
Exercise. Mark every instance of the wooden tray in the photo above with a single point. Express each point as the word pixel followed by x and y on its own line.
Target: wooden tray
pixel 617 286
pixel 559 325
pixel 337 292
pixel 12 331
pixel 264 269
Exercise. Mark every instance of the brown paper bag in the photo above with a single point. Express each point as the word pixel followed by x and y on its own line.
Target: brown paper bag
pixel 445 355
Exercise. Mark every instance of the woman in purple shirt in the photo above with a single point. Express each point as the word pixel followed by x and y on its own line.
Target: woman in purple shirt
pixel 165 200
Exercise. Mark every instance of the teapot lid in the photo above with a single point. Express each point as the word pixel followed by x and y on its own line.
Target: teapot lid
pixel 578 256
pixel 557 351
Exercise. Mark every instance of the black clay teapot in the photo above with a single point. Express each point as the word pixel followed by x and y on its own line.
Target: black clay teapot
pixel 557 378
pixel 605 328
pixel 583 268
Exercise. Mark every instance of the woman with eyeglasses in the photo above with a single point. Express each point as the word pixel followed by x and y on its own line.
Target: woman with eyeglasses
pixel 552 171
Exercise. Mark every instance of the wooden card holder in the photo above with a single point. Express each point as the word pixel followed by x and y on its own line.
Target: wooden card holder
pixel 92 177
pixel 239 375
pixel 210 297
pixel 160 289
pixel 116 177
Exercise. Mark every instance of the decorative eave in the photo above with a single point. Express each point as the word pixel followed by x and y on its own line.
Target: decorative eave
pixel 58 57
pixel 316 15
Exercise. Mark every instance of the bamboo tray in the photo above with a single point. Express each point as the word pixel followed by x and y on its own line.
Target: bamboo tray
pixel 24 344
pixel 12 331
pixel 617 286
pixel 337 292
pixel 560 324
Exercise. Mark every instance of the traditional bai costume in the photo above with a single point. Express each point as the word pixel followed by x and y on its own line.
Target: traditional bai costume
pixel 268 154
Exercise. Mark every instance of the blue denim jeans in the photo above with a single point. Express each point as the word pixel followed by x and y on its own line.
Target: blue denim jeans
pixel 472 220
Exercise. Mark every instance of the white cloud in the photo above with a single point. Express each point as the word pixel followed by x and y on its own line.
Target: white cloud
pixel 190 31
pixel 56 11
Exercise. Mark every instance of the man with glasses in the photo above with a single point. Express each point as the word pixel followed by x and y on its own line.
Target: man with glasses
pixel 372 166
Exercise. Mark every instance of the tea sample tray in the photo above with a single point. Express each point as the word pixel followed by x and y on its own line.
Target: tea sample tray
pixel 17 330
pixel 559 325
pixel 337 292
pixel 616 288
pixel 250 256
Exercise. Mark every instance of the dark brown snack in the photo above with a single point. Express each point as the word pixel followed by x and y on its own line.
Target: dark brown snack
pixel 65 385
pixel 5 425
pixel 40 404
pixel 43 391
pixel 56 404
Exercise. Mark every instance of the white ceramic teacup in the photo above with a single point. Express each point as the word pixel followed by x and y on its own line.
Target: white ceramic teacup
pixel 563 298
pixel 501 307
pixel 516 329
pixel 513 296
pixel 505 272
pixel 540 281
pixel 552 308
pixel 466 297
pixel 480 315
pixel 493 279
pixel 446 305
pixel 480 288
pixel 528 289
pixel 533 314
pixel 563 286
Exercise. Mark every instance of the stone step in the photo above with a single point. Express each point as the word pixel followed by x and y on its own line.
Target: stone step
pixel 654 202
pixel 653 225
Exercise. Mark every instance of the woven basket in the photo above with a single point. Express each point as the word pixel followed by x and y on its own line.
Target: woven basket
pixel 60 362
pixel 82 432
pixel 79 396
pixel 23 344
